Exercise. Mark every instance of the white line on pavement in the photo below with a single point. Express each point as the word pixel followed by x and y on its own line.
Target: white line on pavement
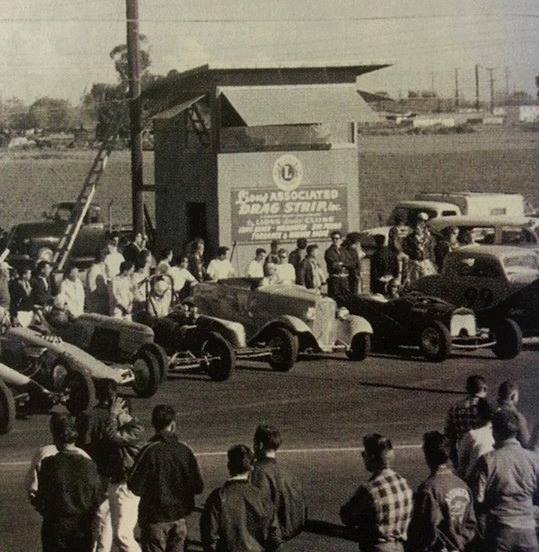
pixel 334 450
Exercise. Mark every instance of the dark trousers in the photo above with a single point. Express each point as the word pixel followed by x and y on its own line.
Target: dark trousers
pixel 67 535
pixel 338 287
pixel 502 538
pixel 166 536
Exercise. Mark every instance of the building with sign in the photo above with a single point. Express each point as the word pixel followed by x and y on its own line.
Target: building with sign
pixel 244 156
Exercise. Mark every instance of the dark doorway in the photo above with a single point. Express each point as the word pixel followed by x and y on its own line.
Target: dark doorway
pixel 196 221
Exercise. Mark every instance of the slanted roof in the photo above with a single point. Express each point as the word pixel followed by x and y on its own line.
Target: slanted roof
pixel 179 107
pixel 289 105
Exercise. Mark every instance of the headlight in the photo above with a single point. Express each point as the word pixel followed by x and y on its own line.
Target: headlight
pixel 311 313
pixel 343 313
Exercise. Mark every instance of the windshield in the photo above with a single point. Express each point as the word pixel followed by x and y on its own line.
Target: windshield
pixel 521 268
pixel 409 214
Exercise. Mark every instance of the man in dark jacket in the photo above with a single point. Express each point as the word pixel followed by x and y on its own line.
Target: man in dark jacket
pixel 166 477
pixel 122 442
pixel 284 491
pixel 298 255
pixel 384 265
pixel 44 287
pixel 337 261
pixel 309 273
pixel 237 517
pixel 443 516
pixel 67 494
pixel 22 303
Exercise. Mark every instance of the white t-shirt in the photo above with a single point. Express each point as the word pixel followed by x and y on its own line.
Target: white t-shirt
pixel 286 273
pixel 122 294
pixel 220 269
pixel 112 264
pixel 255 269
pixel 180 276
pixel 472 446
pixel 71 297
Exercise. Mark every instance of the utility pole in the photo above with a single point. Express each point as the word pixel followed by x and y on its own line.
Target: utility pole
pixel 135 116
pixel 491 80
pixel 456 88
pixel 506 84
pixel 476 87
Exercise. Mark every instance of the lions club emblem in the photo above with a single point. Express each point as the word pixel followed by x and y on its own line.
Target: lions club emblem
pixel 287 172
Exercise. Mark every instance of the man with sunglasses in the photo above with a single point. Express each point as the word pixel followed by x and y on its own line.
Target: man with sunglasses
pixel 336 258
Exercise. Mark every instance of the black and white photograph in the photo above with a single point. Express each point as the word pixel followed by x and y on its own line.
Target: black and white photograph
pixel 269 276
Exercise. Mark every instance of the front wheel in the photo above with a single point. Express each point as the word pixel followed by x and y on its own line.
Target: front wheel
pixel 79 391
pixel 360 346
pixel 435 342
pixel 220 358
pixel 508 339
pixel 147 374
pixel 7 409
pixel 284 349
pixel 162 358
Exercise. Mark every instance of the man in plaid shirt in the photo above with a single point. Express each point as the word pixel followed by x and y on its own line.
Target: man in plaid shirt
pixel 463 415
pixel 382 508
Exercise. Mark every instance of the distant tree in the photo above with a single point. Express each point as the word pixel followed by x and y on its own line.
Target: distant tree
pixel 14 115
pixel 119 55
pixel 51 114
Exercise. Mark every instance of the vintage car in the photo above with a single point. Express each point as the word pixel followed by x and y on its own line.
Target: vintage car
pixel 49 370
pixel 500 283
pixel 126 347
pixel 420 321
pixel 278 321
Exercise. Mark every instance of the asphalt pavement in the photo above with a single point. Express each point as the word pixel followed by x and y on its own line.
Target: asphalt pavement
pixel 323 407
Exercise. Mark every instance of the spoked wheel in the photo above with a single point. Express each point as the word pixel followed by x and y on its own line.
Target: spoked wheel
pixel 7 409
pixel 147 374
pixel 161 356
pixel 360 346
pixel 435 342
pixel 77 388
pixel 219 357
pixel 284 349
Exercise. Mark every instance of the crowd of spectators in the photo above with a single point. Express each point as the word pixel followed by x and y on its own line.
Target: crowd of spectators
pixel 99 480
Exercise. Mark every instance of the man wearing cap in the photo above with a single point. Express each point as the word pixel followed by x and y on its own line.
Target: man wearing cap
pixel 382 508
pixel 220 268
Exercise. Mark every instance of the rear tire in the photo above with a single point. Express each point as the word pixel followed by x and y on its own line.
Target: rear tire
pixel 147 374
pixel 7 409
pixel 80 391
pixel 360 346
pixel 286 348
pixel 221 368
pixel 162 358
pixel 508 339
pixel 435 342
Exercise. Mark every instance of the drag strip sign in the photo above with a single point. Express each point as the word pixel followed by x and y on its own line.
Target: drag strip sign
pixel 265 214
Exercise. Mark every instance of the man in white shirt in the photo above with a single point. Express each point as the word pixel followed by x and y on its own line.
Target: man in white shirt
pixel 270 276
pixel 113 259
pixel 122 292
pixel 220 268
pixel 181 276
pixel 70 297
pixel 255 269
pixel 285 270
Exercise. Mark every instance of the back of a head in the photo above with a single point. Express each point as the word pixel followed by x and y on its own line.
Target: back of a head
pixel 379 240
pixel 436 447
pixel 162 416
pixel 240 459
pixel 260 251
pixel 378 448
pixel 301 243
pixel 475 384
pixel 507 391
pixel 223 250
pixel 504 425
pixel 268 436
pixel 484 413
pixel 63 429
pixel 106 390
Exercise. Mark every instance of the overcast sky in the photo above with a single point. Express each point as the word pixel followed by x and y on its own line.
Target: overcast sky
pixel 62 58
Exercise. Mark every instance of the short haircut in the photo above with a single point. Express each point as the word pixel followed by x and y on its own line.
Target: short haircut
pixel 259 251
pixel 162 416
pixel 106 390
pixel 379 239
pixel 269 436
pixel 475 384
pixel 335 233
pixel 125 266
pixel 282 251
pixel 301 243
pixel 436 447
pixel 446 232
pixel 63 428
pixel 311 248
pixel 353 237
pixel 505 424
pixel 506 389
pixel 240 459
pixel 223 250
pixel 68 269
pixel 165 253
pixel 484 412
pixel 378 447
